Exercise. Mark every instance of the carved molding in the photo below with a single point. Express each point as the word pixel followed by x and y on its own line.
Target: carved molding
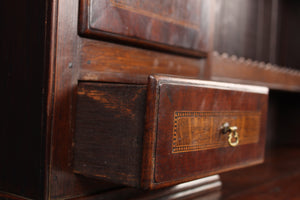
pixel 241 70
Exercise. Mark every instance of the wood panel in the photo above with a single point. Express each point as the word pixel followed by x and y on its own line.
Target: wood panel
pixel 289 30
pixel 246 29
pixel 264 30
pixel 172 25
pixel 106 62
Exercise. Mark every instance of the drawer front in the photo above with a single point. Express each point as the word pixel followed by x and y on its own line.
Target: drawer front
pixel 186 129
pixel 172 25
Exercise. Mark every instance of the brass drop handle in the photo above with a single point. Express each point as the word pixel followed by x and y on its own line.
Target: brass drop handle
pixel 233 134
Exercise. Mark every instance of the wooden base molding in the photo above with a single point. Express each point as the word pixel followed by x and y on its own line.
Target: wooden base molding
pixel 204 188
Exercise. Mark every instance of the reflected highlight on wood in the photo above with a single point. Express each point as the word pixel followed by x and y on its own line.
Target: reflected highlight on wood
pixel 181 27
pixel 149 9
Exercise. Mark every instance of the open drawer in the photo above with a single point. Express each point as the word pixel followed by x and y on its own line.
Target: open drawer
pixel 171 131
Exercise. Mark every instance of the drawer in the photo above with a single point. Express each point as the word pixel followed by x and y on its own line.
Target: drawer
pixel 172 25
pixel 171 131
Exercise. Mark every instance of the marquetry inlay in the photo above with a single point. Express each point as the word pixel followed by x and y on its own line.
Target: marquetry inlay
pixel 194 131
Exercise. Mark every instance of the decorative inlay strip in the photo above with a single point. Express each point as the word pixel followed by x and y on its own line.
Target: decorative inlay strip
pixel 194 131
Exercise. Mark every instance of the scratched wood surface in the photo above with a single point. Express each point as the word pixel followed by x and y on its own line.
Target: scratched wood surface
pixel 109 131
pixel 171 25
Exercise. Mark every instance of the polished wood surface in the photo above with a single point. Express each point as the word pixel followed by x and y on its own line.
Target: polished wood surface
pixel 169 94
pixel 172 25
pixel 194 131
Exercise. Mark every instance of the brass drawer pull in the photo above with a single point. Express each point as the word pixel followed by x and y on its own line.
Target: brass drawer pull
pixel 232 134
pixel 235 135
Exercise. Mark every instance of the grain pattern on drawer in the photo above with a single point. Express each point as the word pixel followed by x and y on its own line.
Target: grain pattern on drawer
pixel 172 25
pixel 172 131
pixel 195 131
pixel 184 138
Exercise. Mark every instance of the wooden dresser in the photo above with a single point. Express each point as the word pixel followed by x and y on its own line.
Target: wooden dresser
pixel 122 99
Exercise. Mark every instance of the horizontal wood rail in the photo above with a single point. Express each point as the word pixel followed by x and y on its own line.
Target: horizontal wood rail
pixel 241 70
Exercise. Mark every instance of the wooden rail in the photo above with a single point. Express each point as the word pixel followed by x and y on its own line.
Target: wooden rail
pixel 241 70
